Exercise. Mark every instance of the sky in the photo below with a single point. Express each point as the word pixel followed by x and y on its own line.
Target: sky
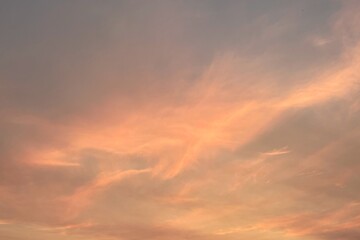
pixel 180 120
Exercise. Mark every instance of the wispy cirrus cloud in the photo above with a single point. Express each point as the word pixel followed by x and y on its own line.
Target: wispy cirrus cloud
pixel 179 120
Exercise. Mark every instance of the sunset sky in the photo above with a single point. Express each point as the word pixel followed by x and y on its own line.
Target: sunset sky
pixel 180 120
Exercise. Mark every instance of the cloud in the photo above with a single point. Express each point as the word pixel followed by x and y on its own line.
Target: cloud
pixel 84 195
pixel 179 120
pixel 277 152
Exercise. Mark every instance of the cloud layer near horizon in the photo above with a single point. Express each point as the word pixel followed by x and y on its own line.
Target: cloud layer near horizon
pixel 179 120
